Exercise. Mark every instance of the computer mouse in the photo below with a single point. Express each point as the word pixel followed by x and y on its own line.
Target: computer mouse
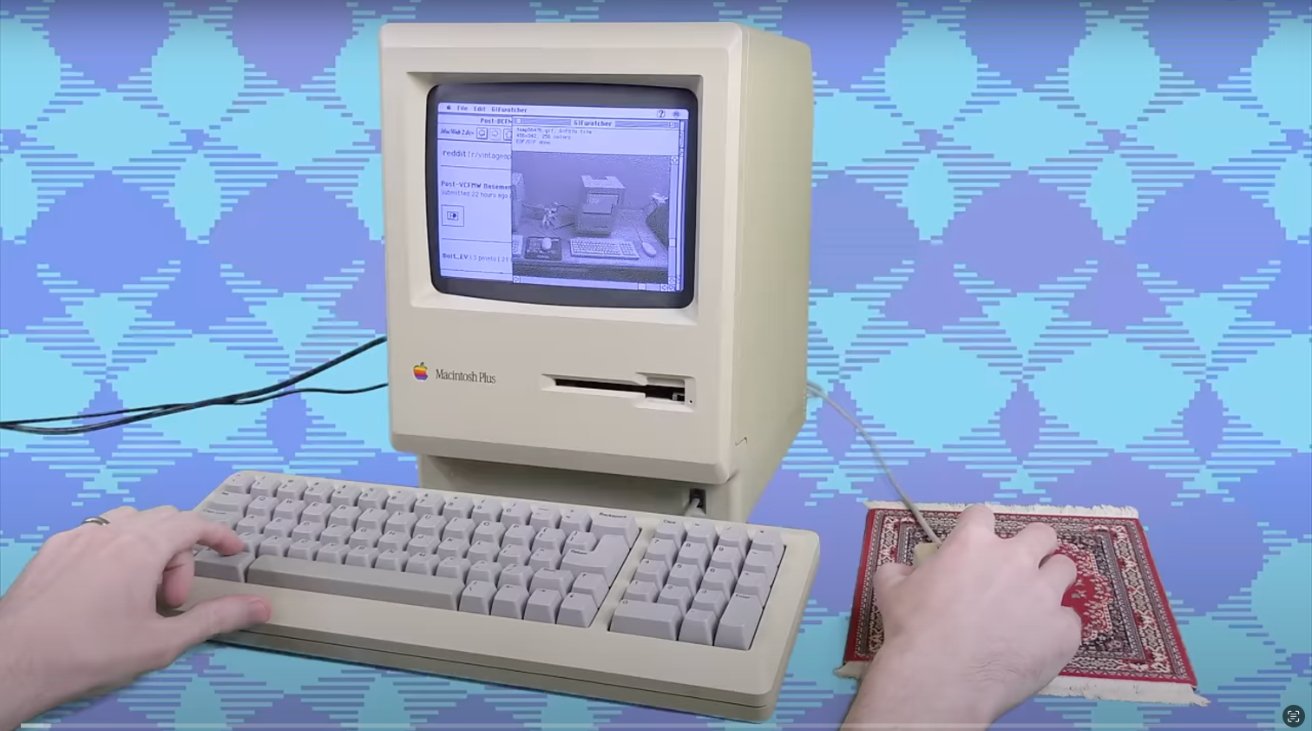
pixel 647 247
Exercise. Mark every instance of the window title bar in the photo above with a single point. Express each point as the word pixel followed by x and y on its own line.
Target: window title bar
pixel 595 112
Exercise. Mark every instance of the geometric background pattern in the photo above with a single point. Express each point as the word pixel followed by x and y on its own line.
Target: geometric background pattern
pixel 1060 254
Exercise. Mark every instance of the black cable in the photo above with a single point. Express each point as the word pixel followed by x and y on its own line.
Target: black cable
pixel 259 395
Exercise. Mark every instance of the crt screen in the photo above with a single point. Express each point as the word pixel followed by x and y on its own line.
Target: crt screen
pixel 571 196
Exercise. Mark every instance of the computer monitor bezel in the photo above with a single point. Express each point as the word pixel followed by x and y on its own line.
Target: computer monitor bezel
pixel 590 93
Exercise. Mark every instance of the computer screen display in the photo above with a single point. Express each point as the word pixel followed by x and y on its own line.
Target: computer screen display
pixel 569 194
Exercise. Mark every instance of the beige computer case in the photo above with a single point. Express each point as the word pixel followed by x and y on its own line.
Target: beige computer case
pixel 739 349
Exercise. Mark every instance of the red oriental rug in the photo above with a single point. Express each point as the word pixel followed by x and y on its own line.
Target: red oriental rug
pixel 1131 648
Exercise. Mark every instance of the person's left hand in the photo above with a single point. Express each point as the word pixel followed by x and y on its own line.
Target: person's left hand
pixel 84 614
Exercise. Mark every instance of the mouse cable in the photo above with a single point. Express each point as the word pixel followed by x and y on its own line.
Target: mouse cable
pixel 818 391
pixel 244 398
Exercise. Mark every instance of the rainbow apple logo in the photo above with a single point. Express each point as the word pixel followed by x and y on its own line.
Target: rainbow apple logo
pixel 421 372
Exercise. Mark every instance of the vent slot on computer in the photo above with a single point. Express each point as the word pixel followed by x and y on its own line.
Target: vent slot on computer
pixel 673 390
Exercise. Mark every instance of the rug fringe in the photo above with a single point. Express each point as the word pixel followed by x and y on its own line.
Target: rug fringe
pixel 1102 689
pixel 1096 511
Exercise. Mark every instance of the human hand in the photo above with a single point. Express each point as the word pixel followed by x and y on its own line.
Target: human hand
pixel 973 631
pixel 84 614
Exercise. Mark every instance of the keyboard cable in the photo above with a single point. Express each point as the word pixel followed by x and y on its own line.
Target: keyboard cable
pixel 818 391
pixel 244 398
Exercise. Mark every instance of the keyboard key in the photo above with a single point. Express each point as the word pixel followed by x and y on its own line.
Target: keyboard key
pixel 542 606
pixel 307 531
pixel 488 571
pixel 574 519
pixel 229 502
pixel 663 550
pixel 579 541
pixel 648 620
pixel 477 598
pixel 519 535
pixel 335 534
pixel 318 491
pixel 734 536
pixel 289 509
pixel 557 581
pixel 698 627
pixel 605 559
pixel 400 501
pixel 391 560
pixel 483 551
pixel 274 546
pixel 372 498
pixel 727 558
pixel 614 524
pixel 316 513
pixel 544 558
pixel 423 544
pixel 513 556
pixel 251 524
pixel 372 518
pixel 679 596
pixel 454 568
pixel 642 591
pixel 457 506
pixel 251 541
pixel 362 556
pixel 594 585
pixel 394 541
pixel 753 584
pixel 265 486
pixel 334 553
pixel 670 530
pixel 489 531
pixel 552 538
pixel 761 562
pixel 515 575
pixel 544 516
pixel 239 483
pixel 577 610
pixel 292 489
pixel 228 519
pixel 686 575
pixel 509 601
pixel 303 549
pixel 430 525
pixel 401 523
pixel 452 548
pixel 388 586
pixel 262 507
pixel 213 565
pixel 422 563
pixel 487 509
pixel 344 515
pixel 279 527
pixel 345 494
pixel 364 538
pixel 694 553
pixel 703 532
pixel 769 541
pixel 738 623
pixel 515 513
pixel 717 579
pixel 652 571
pixel 711 601
pixel 462 528
pixel 429 502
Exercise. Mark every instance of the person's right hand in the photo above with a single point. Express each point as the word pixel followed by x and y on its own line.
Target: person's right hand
pixel 972 632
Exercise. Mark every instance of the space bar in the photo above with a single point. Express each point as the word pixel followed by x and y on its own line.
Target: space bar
pixel 356 581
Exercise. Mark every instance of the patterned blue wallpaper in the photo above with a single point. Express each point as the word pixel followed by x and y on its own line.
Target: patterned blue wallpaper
pixel 1061 254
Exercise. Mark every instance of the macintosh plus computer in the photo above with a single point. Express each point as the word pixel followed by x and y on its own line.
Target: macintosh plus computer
pixel 597 273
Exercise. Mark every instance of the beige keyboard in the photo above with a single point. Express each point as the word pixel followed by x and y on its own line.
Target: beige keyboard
pixel 681 613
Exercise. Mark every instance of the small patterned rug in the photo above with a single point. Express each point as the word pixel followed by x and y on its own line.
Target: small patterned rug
pixel 1131 648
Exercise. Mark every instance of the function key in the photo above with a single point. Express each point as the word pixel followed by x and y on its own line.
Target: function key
pixel 703 532
pixel 372 498
pixel 292 489
pixel 515 512
pixel 239 483
pixel 265 486
pixel 544 516
pixel 318 491
pixel 575 519
pixel 345 494
pixel 487 509
pixel 457 506
pixel 615 524
pixel 401 501
pixel 429 502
